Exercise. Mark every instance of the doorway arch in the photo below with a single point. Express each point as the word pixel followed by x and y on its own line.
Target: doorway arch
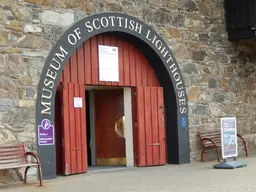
pixel 154 49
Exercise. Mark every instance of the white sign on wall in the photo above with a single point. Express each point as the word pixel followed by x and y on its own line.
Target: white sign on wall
pixel 78 102
pixel 108 63
pixel 228 137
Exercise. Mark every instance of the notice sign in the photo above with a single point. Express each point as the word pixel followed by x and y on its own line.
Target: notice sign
pixel 78 102
pixel 45 133
pixel 108 63
pixel 228 137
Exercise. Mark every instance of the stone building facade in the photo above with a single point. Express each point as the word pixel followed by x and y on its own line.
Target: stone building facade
pixel 219 75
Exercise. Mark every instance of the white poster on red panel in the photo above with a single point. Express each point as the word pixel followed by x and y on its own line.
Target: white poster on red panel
pixel 108 63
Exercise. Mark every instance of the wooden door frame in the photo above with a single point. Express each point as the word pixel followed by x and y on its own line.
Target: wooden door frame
pixel 129 152
pixel 129 140
pixel 154 48
pixel 92 127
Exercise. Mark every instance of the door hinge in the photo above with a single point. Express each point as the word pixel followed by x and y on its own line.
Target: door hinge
pixel 135 124
pixel 134 93
pixel 154 144
pixel 63 145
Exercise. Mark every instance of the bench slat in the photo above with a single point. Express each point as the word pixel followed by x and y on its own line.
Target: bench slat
pixel 13 161
pixel 5 157
pixel 3 150
pixel 12 153
pixel 11 145
pixel 17 165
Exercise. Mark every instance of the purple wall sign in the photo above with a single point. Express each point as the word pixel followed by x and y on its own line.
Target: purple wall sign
pixel 45 133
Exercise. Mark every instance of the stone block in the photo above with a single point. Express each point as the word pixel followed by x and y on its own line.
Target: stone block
pixel 35 53
pixel 155 2
pixel 22 14
pixel 80 15
pixel 50 17
pixel 27 93
pixel 181 51
pixel 4 38
pixel 8 88
pixel 85 5
pixel 206 97
pixel 173 33
pixel 32 29
pixel 190 5
pixel 26 81
pixel 35 66
pixel 38 2
pixel 2 15
pixel 52 33
pixel 156 16
pixel 177 20
pixel 198 55
pixel 19 116
pixel 190 68
pixel 34 42
pixel 6 104
pixel 219 97
pixel 212 83
pixel 27 103
pixel 214 109
pixel 15 65
pixel 16 26
pixel 28 136
pixel 202 110
pixel 194 93
pixel 203 9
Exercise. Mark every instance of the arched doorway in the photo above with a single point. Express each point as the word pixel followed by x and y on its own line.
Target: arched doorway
pixel 148 143
pixel 154 49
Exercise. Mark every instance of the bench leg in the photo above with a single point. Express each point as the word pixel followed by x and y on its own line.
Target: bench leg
pixel 202 154
pixel 218 154
pixel 25 176
pixel 245 148
pixel 40 175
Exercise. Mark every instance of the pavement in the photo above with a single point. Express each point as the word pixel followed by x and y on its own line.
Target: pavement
pixel 194 177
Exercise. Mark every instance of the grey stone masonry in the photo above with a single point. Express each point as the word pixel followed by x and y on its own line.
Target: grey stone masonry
pixel 219 75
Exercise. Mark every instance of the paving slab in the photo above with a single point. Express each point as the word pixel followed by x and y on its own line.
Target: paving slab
pixel 194 177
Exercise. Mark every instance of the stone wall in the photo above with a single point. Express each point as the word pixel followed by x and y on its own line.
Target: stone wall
pixel 220 76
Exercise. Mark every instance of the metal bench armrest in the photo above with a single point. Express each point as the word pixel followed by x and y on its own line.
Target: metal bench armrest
pixel 33 155
pixel 240 137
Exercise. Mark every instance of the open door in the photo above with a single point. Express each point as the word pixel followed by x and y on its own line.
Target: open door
pixel 74 147
pixel 151 144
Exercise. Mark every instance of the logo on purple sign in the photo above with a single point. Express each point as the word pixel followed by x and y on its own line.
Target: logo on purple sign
pixel 46 133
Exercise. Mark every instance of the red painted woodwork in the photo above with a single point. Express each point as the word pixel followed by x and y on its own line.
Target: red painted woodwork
pixel 109 106
pixel 74 129
pixel 134 69
pixel 151 147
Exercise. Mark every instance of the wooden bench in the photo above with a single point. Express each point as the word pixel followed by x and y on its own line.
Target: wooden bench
pixel 212 140
pixel 14 156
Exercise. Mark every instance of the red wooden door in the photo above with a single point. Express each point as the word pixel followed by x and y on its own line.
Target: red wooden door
pixel 151 146
pixel 74 130
pixel 109 107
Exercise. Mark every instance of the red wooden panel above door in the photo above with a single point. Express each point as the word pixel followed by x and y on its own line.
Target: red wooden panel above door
pixel 134 69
